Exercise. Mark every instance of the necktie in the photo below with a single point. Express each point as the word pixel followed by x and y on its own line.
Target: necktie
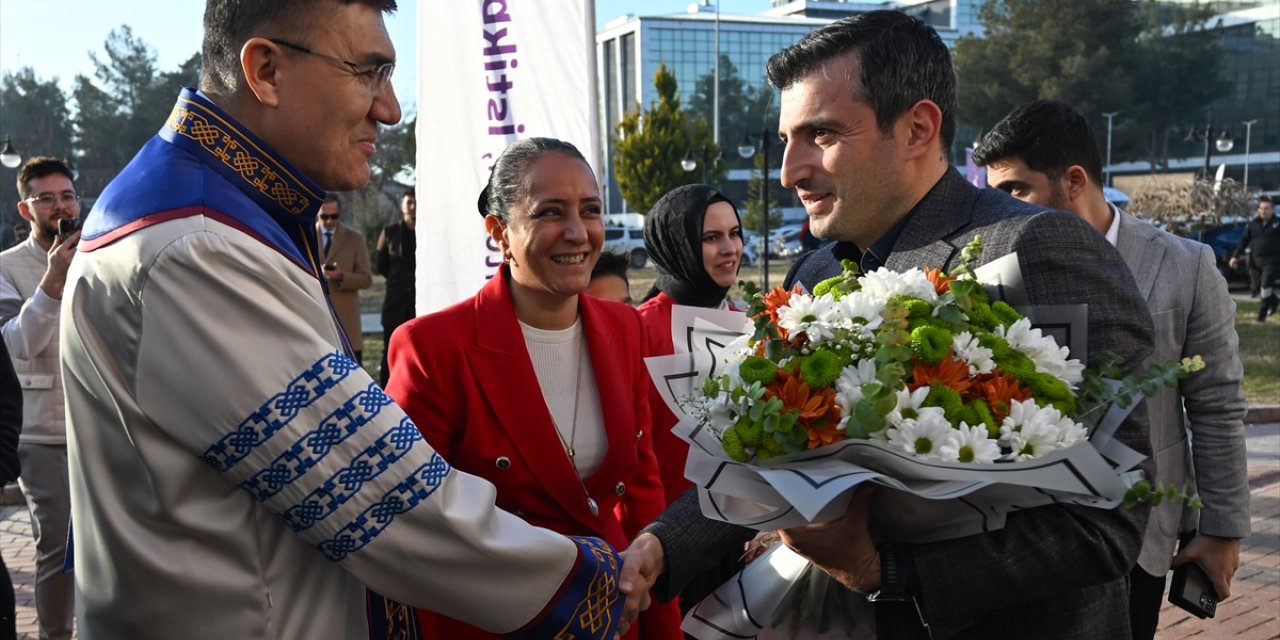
pixel 328 240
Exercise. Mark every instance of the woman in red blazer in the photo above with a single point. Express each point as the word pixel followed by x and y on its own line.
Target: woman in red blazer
pixel 532 386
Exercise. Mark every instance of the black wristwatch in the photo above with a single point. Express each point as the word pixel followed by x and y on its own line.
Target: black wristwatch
pixel 892 586
pixel 895 587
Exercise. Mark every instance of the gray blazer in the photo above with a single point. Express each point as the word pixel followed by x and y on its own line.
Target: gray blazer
pixel 1193 315
pixel 1052 572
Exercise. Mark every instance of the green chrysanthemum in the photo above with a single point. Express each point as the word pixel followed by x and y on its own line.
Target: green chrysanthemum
pixel 981 315
pixel 946 398
pixel 758 369
pixel 820 369
pixel 930 343
pixel 917 308
pixel 1007 314
pixel 750 433
pixel 732 444
pixel 832 285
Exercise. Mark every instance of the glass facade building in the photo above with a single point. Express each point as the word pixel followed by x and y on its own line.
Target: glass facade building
pixel 630 49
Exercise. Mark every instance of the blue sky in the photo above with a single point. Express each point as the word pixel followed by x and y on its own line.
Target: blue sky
pixel 54 37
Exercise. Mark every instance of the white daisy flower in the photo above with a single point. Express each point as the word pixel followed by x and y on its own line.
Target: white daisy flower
pixel 923 438
pixel 860 309
pixel 1031 431
pixel 1043 351
pixel 971 444
pixel 848 386
pixel 884 284
pixel 910 405
pixel 814 316
pixel 966 347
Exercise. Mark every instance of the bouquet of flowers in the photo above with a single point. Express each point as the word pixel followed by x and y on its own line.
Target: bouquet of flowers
pixel 919 381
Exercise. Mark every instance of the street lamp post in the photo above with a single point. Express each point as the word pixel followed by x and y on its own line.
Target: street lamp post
pixel 689 164
pixel 1248 134
pixel 747 150
pixel 8 156
pixel 1224 143
pixel 1106 178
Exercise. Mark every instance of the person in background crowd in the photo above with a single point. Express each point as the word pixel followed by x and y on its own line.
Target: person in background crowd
pixel 396 256
pixel 694 236
pixel 1045 153
pixel 609 278
pixel 10 427
pixel 1261 246
pixel 868 109
pixel 345 264
pixel 21 230
pixel 32 278
pixel 236 474
pixel 531 385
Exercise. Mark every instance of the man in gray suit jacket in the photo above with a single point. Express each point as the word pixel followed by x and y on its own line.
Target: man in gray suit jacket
pixel 867 113
pixel 1046 153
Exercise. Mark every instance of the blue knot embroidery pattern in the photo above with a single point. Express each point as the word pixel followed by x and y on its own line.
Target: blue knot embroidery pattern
pixel 313 446
pixel 278 411
pixel 347 482
pixel 400 499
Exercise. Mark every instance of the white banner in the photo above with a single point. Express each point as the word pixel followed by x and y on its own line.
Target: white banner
pixel 491 72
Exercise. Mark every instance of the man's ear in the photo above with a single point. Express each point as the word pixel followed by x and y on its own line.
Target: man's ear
pixel 1075 180
pixel 921 125
pixel 259 62
pixel 24 210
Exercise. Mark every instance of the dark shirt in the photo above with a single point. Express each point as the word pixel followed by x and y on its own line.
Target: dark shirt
pixel 824 262
pixel 396 262
pixel 1261 239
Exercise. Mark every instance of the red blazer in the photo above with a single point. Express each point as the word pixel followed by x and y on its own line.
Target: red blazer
pixel 655 314
pixel 464 376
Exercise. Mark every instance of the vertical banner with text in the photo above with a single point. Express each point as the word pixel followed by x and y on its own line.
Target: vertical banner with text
pixel 491 72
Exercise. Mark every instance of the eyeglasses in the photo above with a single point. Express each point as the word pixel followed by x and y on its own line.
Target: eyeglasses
pixel 45 201
pixel 328 216
pixel 374 76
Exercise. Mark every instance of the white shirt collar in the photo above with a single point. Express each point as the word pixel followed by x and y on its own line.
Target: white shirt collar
pixel 1113 232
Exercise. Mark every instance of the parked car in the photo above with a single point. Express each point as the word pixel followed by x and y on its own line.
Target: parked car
pixel 628 241
pixel 749 254
pixel 1224 239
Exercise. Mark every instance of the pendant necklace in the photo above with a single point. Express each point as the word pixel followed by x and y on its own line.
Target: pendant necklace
pixel 573 433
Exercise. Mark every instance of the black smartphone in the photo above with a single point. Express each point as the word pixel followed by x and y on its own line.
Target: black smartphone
pixel 66 227
pixel 1192 590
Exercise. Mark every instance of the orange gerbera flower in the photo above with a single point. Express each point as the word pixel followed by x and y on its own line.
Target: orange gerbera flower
pixel 941 283
pixel 949 371
pixel 825 434
pixel 776 298
pixel 1000 390
pixel 796 396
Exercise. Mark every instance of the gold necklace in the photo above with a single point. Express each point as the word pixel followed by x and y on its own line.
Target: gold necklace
pixel 569 446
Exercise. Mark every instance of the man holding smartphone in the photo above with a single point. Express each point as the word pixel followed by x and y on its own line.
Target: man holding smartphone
pixel 32 275
pixel 346 269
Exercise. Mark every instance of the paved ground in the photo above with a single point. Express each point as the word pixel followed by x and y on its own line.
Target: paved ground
pixel 1253 611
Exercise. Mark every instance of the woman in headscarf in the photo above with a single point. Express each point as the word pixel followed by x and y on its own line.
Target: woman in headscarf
pixel 530 384
pixel 694 237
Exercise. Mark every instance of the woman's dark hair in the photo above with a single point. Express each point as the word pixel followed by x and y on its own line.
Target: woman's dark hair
pixel 507 181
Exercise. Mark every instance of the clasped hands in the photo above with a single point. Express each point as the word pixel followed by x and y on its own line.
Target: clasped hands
pixel 843 548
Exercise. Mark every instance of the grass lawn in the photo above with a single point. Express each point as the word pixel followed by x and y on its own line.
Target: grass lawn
pixel 1260 353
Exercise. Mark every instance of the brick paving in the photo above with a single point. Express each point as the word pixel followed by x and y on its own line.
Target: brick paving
pixel 1252 612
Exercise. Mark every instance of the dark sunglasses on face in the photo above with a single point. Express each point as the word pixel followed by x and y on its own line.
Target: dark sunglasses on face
pixel 328 216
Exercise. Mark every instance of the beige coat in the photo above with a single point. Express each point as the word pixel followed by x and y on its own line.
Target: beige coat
pixel 351 254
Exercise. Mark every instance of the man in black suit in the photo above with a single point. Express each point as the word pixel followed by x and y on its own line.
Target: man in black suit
pixel 867 114
pixel 396 260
